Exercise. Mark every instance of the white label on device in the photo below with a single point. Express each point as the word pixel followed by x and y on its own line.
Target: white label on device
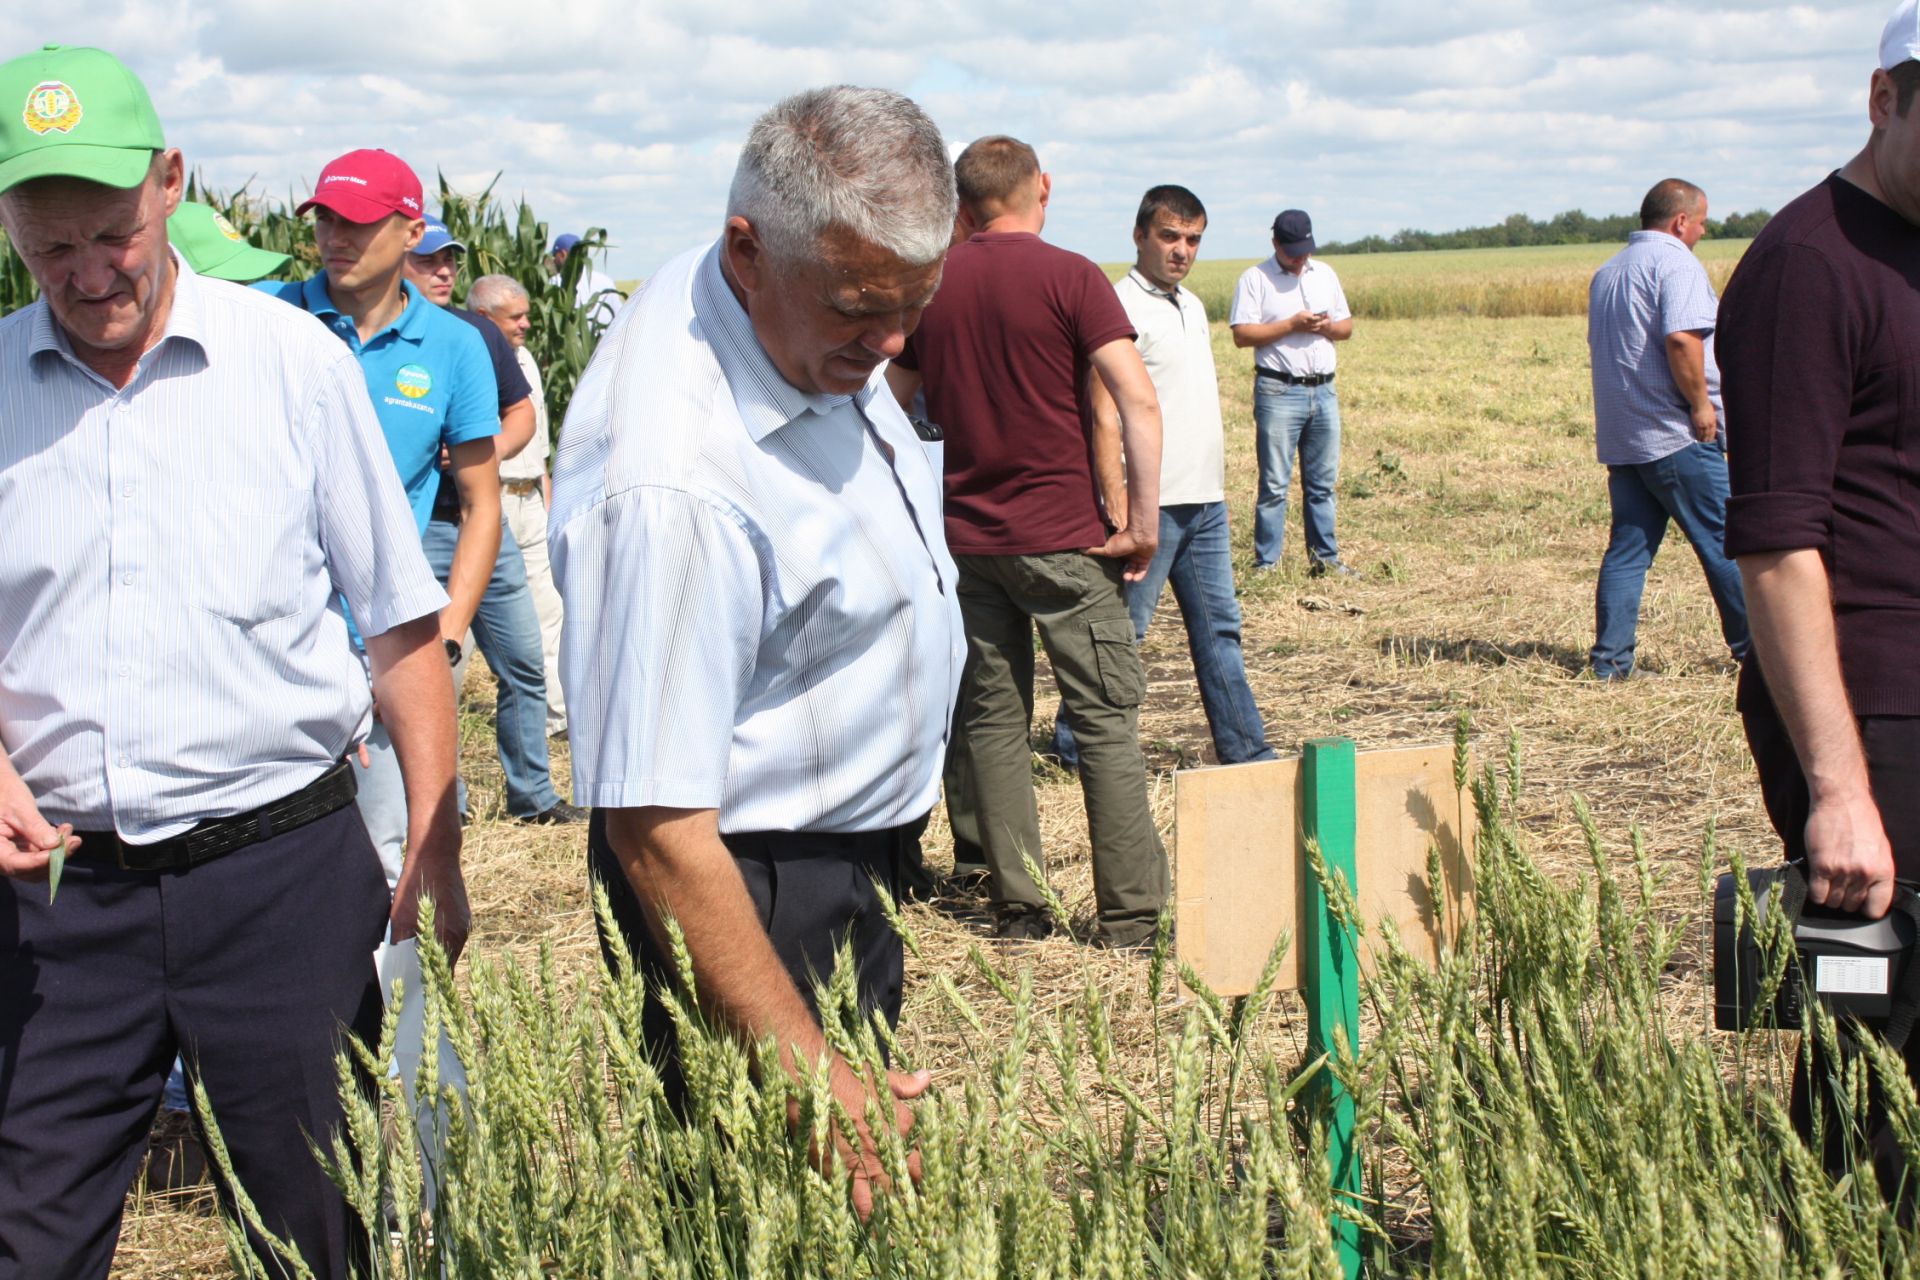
pixel 1851 975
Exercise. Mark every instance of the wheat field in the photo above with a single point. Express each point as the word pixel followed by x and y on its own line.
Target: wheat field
pixel 1471 502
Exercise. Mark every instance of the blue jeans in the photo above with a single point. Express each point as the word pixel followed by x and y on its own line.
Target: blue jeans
pixel 507 629
pixel 1286 419
pixel 1690 487
pixel 1195 556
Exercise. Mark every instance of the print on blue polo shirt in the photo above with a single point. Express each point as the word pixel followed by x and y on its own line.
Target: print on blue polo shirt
pixel 413 381
pixel 428 374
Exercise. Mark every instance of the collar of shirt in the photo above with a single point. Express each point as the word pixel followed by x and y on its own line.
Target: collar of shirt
pixel 1139 277
pixel 408 324
pixel 1657 238
pixel 184 324
pixel 765 399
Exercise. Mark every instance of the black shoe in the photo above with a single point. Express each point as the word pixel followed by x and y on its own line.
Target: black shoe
pixel 1133 943
pixel 1022 926
pixel 967 879
pixel 1337 567
pixel 175 1160
pixel 561 814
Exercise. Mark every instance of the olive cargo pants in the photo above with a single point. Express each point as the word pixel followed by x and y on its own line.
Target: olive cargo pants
pixel 1078 604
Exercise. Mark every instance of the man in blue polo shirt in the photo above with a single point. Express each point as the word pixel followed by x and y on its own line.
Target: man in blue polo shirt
pixel 507 626
pixel 432 386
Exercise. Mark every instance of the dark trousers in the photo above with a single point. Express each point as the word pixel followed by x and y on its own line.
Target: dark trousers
pixel 1892 746
pixel 248 966
pixel 812 890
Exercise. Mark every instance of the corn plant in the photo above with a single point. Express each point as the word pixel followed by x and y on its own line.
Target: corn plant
pixel 1528 1107
pixel 17 287
pixel 514 243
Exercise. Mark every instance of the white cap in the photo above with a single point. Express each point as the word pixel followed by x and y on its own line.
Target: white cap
pixel 1900 40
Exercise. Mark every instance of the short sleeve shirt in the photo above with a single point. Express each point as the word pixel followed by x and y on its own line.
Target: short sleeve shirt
pixel 1004 353
pixel 428 374
pixel 531 462
pixel 1268 292
pixel 1176 345
pixel 761 612
pixel 1648 291
pixel 171 644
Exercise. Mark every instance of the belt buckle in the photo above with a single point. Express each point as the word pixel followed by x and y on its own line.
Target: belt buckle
pixel 173 861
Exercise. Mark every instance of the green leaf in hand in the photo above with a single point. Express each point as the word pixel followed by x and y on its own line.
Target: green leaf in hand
pixel 56 863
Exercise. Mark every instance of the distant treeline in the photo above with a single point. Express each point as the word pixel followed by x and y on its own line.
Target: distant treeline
pixel 1571 227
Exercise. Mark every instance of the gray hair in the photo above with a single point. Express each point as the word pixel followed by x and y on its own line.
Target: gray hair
pixel 490 293
pixel 868 161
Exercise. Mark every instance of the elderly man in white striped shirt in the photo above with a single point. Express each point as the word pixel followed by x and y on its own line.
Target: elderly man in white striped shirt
pixel 191 476
pixel 762 645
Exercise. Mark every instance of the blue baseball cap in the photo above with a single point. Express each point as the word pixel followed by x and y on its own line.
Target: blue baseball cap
pixel 1293 231
pixel 435 238
pixel 565 243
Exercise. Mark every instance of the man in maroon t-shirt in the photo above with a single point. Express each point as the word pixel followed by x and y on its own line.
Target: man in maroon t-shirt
pixel 1003 355
pixel 1819 335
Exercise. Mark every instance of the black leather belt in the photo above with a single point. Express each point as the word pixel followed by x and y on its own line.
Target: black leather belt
pixel 331 792
pixel 1280 375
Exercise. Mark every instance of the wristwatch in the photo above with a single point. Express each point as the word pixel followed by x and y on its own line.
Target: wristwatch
pixel 453 652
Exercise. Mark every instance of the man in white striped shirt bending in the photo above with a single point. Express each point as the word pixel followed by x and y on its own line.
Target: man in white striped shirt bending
pixel 191 476
pixel 762 646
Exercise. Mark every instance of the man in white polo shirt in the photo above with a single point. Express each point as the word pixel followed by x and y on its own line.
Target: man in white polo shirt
pixel 1195 554
pixel 1291 310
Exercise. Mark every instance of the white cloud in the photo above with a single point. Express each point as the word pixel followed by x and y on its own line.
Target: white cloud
pixel 1374 114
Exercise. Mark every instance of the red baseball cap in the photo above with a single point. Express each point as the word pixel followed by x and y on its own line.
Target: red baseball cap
pixel 366 186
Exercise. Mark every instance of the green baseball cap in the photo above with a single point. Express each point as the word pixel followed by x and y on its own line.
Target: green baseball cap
pixel 75 113
pixel 214 247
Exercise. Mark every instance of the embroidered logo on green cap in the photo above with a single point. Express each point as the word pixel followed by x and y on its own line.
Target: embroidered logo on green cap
pixel 52 107
pixel 227 229
pixel 413 381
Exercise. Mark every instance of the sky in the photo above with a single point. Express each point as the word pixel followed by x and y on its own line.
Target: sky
pixel 1371 116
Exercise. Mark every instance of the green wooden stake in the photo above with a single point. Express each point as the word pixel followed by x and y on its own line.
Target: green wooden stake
pixel 1333 969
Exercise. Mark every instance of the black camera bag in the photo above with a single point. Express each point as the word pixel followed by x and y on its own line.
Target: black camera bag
pixel 1861 969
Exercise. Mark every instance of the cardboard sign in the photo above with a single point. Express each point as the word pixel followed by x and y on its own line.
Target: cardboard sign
pixel 1240 863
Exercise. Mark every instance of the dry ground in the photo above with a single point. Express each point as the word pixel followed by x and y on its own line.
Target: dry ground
pixel 1471 501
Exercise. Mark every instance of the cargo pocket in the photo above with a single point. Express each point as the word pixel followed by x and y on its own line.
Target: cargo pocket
pixel 1122 678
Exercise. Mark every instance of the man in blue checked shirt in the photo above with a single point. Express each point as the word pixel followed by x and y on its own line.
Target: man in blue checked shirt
pixel 1657 418
pixel 191 477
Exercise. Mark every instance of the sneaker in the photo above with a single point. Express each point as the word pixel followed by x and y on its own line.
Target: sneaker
pixel 1336 566
pixel 1022 925
pixel 561 814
